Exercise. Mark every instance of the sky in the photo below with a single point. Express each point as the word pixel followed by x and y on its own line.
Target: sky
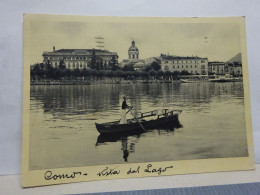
pixel 216 41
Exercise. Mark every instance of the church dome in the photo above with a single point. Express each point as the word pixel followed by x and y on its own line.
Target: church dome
pixel 133 47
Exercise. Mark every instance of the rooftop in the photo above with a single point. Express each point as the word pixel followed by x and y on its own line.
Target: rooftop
pixel 169 57
pixel 78 51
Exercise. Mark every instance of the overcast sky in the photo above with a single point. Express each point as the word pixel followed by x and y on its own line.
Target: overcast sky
pixel 217 41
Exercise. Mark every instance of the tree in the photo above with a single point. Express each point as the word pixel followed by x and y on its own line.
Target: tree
pixel 93 73
pixel 56 74
pixel 100 65
pixel 176 73
pixel 144 74
pixel 184 72
pixel 62 64
pixel 68 73
pixel 37 71
pixel 109 73
pixel 76 72
pixel 49 70
pixel 160 73
pixel 85 72
pixel 167 73
pixel 93 60
pixel 119 73
pixel 148 68
pixel 129 67
pixel 156 66
pixel 152 73
pixel 113 64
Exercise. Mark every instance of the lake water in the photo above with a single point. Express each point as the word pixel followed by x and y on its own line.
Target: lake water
pixel 63 132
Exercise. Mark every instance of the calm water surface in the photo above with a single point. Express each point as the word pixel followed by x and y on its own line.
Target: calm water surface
pixel 63 132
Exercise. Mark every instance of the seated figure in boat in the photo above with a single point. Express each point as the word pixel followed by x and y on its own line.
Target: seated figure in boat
pixel 125 107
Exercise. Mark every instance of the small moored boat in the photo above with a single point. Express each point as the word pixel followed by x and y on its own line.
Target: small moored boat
pixel 138 124
pixel 193 80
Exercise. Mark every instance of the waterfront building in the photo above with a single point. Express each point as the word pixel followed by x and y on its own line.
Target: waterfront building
pixel 234 65
pixel 149 61
pixel 193 65
pixel 79 58
pixel 133 58
pixel 218 68
pixel 234 69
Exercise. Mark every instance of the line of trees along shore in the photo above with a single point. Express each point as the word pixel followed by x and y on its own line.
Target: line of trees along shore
pixel 47 72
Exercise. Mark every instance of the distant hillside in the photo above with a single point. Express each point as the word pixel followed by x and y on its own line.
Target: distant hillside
pixel 236 58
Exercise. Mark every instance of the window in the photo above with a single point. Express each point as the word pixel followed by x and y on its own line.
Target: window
pixel 182 66
pixel 191 72
pixel 166 68
pixel 202 66
pixel 178 66
pixel 190 66
pixel 173 62
pixel 173 66
pixel 166 62
pixel 202 61
pixel 195 66
pixel 186 66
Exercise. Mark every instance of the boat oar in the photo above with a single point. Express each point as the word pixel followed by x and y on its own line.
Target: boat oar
pixel 137 120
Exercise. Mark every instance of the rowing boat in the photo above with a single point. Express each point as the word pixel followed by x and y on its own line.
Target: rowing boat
pixel 153 120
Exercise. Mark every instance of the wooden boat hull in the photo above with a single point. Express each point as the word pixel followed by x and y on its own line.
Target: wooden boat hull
pixel 134 126
pixel 193 81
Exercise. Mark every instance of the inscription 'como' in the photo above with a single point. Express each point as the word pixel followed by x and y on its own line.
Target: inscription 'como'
pixel 49 175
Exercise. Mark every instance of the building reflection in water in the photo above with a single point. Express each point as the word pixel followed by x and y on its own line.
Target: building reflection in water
pixel 63 101
pixel 129 140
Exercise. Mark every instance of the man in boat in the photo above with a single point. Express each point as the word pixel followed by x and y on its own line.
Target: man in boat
pixel 125 108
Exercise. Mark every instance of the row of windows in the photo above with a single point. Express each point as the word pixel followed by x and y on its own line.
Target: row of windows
pixel 66 58
pixel 185 61
pixel 73 63
pixel 195 66
pixel 74 58
pixel 167 68
pixel 218 68
pixel 187 66
pixel 74 66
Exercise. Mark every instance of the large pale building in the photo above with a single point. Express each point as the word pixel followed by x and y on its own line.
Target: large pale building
pixel 194 64
pixel 78 58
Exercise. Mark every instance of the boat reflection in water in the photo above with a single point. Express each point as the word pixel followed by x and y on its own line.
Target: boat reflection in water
pixel 128 145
